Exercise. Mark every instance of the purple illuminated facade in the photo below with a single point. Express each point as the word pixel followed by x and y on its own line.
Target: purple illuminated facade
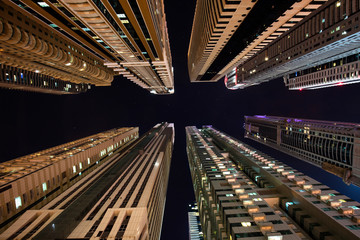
pixel 333 146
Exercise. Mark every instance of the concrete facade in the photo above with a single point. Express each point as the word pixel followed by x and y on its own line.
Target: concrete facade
pixel 87 42
pixel 123 199
pixel 243 193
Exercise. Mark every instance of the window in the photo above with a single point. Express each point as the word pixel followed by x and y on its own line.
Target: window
pixel 88 160
pixel 353 227
pixel 285 232
pixel 25 198
pixel 248 235
pixel 18 202
pixel 339 217
pixel 74 169
pixel 44 187
pixel 80 166
pixel 246 224
pixel 8 207
pixel 327 209
pixel 287 204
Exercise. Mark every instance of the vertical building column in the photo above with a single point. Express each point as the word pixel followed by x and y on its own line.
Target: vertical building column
pixel 356 155
pixel 278 134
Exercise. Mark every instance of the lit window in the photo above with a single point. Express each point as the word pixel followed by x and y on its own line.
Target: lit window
pixel 80 166
pixel 257 199
pixel 121 15
pixel 124 21
pixel 217 175
pixel 287 204
pixel 229 195
pixel 44 187
pixel 252 193
pixel 246 224
pixel 74 169
pixel 353 207
pixel 88 160
pixel 18 202
pixel 43 4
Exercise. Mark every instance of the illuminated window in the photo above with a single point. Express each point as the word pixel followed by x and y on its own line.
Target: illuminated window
pixel 80 166
pixel 43 4
pixel 354 207
pixel 88 160
pixel 246 224
pixel 44 187
pixel 252 193
pixel 257 199
pixel 74 169
pixel 18 202
pixel 287 204
pixel 229 195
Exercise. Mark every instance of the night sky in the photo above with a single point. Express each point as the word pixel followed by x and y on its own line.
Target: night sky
pixel 32 121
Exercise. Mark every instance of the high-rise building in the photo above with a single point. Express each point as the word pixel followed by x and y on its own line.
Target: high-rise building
pixel 31 181
pixel 321 50
pixel 332 146
pixel 195 232
pixel 124 198
pixel 62 46
pixel 243 193
pixel 227 33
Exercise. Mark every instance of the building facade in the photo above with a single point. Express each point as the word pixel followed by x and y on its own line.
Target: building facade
pixel 243 193
pixel 321 50
pixel 85 43
pixel 123 199
pixel 332 146
pixel 31 181
pixel 195 232
pixel 227 33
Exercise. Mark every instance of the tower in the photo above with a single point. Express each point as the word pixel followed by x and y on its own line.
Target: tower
pixel 329 145
pixel 124 197
pixel 227 33
pixel 59 46
pixel 242 193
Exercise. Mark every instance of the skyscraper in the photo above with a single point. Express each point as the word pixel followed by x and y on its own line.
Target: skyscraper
pixel 244 193
pixel 227 33
pixel 48 44
pixel 123 199
pixel 195 232
pixel 332 146
pixel 321 50
pixel 31 181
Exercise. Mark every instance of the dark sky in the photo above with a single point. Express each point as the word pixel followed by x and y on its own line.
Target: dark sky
pixel 31 122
